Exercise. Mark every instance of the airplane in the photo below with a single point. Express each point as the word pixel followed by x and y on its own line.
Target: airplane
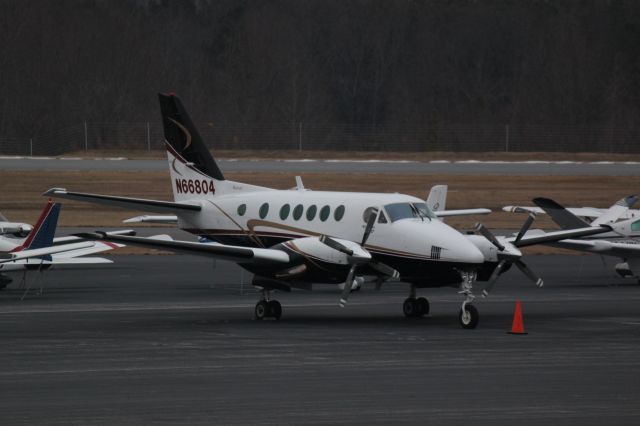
pixel 39 250
pixel 621 210
pixel 436 201
pixel 296 238
pixel 15 229
pixel 624 243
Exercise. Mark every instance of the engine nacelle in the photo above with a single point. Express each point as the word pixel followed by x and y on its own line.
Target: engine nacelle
pixel 20 230
pixel 315 249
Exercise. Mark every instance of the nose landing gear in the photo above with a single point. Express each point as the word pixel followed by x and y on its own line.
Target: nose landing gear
pixel 469 316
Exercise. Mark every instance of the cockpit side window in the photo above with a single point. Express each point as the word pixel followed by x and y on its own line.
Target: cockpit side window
pixel 382 218
pixel 635 226
pixel 368 211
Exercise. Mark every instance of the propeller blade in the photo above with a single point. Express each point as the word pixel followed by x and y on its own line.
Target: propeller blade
pixel 385 269
pixel 494 277
pixel 367 231
pixel 529 273
pixel 335 245
pixel 489 236
pixel 525 228
pixel 348 283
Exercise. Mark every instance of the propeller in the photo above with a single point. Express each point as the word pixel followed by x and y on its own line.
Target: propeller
pixel 509 255
pixel 358 260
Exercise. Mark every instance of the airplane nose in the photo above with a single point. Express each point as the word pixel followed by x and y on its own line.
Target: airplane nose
pixel 469 253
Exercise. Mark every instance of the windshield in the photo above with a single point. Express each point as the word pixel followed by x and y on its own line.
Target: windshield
pixel 425 211
pixel 399 211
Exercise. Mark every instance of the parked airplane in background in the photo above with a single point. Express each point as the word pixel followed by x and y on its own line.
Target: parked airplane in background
pixel 15 229
pixel 624 243
pixel 621 210
pixel 39 250
pixel 296 238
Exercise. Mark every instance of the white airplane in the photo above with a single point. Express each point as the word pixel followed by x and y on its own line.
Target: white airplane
pixel 624 243
pixel 39 250
pixel 621 210
pixel 295 238
pixel 436 201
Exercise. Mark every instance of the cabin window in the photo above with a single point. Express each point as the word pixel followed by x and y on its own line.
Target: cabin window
pixel 339 213
pixel 264 210
pixel 324 213
pixel 284 211
pixel 367 212
pixel 311 212
pixel 297 212
pixel 242 209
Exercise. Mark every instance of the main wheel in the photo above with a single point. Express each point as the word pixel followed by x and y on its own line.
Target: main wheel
pixel 275 309
pixel 410 307
pixel 423 306
pixel 469 317
pixel 262 310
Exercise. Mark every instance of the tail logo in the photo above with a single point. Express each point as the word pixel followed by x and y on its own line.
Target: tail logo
pixel 185 131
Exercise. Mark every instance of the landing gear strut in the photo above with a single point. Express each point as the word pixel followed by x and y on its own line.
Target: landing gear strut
pixel 267 307
pixel 415 307
pixel 469 316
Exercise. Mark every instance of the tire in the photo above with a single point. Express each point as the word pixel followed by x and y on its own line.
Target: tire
pixel 469 321
pixel 275 309
pixel 410 308
pixel 262 310
pixel 423 306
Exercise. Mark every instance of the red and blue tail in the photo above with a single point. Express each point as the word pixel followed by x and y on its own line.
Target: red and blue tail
pixel 44 230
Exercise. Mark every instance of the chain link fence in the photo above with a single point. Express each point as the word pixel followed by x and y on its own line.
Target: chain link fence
pixel 313 137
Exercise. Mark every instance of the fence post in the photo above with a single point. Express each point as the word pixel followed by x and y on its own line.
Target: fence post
pixel 300 136
pixel 86 139
pixel 30 147
pixel 148 137
pixel 506 138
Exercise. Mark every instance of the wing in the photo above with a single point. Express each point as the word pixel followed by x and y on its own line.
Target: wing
pixel 125 202
pixel 220 251
pixel 73 238
pixel 609 248
pixel 29 253
pixel 537 237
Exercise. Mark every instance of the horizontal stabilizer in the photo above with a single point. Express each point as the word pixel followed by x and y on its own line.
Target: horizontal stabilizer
pixel 125 202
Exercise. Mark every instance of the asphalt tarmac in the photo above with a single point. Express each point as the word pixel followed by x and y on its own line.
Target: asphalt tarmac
pixel 171 340
pixel 532 168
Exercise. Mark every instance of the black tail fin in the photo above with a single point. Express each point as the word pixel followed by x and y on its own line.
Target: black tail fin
pixel 563 217
pixel 183 137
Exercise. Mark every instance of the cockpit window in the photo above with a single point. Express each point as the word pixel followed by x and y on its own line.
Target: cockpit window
pixel 399 211
pixel 425 211
pixel 635 226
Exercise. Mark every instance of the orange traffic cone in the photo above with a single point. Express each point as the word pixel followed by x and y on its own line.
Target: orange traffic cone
pixel 518 326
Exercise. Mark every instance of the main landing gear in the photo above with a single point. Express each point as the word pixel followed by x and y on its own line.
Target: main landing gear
pixel 469 316
pixel 267 307
pixel 415 307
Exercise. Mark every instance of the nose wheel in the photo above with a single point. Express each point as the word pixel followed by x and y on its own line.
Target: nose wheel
pixel 469 317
